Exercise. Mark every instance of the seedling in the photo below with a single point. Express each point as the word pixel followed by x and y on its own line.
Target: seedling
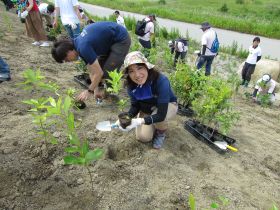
pixel 80 154
pixel 34 80
pixel 220 204
pixel 81 66
pixel 114 81
pixel 122 104
pixel 213 105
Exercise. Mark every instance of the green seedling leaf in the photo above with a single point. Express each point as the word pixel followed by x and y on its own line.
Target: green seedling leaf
pixel 94 155
pixel 73 139
pixel 81 161
pixel 67 104
pixel 274 207
pixel 72 149
pixel 53 140
pixel 224 200
pixel 192 202
pixel 85 149
pixel 70 122
pixel 70 160
pixel 214 205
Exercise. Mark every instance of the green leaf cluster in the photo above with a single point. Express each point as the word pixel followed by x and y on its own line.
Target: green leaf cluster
pixel 186 83
pixel 34 80
pixel 114 81
pixel 213 105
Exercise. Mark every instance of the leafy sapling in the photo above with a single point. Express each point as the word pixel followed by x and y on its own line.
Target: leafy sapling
pixel 115 82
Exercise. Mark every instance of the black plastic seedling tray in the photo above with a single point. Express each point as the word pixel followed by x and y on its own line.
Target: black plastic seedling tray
pixel 185 111
pixel 207 135
pixel 83 80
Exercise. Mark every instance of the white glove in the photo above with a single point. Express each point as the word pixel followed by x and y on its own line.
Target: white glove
pixel 73 25
pixel 134 123
pixel 24 14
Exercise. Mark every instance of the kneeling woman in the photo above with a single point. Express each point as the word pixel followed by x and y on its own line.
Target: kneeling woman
pixel 152 99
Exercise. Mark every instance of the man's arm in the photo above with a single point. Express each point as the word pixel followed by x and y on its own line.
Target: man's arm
pixel 57 13
pixel 96 74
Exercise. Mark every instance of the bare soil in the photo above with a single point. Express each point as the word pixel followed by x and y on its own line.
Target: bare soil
pixel 131 175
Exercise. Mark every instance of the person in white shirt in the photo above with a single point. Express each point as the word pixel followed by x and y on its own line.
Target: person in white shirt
pixel 149 36
pixel 207 55
pixel 47 11
pixel 180 47
pixel 119 18
pixel 255 54
pixel 264 86
pixel 68 10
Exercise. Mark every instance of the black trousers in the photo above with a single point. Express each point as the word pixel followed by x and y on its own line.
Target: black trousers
pixel 247 70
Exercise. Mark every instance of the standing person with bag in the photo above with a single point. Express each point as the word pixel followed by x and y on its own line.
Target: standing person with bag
pixel 34 24
pixel 210 47
pixel 145 30
pixel 255 54
pixel 68 10
pixel 152 100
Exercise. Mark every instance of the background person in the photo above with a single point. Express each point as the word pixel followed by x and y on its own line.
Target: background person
pixel 119 18
pixel 47 12
pixel 180 47
pixel 149 37
pixel 152 99
pixel 102 45
pixel 254 56
pixel 68 11
pixel 34 24
pixel 4 71
pixel 206 55
pixel 265 86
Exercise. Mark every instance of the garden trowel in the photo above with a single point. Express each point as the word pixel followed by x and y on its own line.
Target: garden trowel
pixel 224 145
pixel 105 126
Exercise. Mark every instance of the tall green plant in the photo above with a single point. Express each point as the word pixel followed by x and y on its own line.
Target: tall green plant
pixel 186 83
pixel 214 107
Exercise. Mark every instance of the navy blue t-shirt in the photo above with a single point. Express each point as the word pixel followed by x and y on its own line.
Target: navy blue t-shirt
pixel 96 40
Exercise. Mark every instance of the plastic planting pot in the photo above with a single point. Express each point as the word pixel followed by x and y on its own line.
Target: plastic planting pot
pixel 80 104
pixel 83 80
pixel 125 119
pixel 185 111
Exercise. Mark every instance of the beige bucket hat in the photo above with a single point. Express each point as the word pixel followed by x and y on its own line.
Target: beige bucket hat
pixel 135 58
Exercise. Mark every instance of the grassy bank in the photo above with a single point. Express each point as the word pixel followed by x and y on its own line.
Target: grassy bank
pixel 259 17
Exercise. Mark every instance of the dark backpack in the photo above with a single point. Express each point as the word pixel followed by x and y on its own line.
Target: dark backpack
pixel 140 27
pixel 215 45
pixel 183 40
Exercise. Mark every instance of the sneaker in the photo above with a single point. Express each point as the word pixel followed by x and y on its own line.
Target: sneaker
pixel 36 43
pixel 158 141
pixel 4 78
pixel 45 44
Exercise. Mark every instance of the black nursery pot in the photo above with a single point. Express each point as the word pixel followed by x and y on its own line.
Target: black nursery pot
pixel 207 135
pixel 125 119
pixel 83 80
pixel 185 111
pixel 80 104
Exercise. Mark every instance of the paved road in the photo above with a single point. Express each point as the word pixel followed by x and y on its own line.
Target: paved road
pixel 270 47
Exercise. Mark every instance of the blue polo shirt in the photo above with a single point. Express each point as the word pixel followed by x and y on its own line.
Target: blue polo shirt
pixel 96 40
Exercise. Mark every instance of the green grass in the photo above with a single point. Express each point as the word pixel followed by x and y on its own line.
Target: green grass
pixel 260 17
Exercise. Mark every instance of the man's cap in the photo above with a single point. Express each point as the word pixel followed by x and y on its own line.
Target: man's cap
pixel 205 25
pixel 136 57
pixel 153 16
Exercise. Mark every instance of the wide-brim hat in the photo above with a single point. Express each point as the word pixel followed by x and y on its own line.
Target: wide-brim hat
pixel 205 25
pixel 136 57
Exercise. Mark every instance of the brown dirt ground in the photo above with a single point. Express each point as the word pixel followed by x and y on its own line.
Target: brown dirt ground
pixel 131 175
